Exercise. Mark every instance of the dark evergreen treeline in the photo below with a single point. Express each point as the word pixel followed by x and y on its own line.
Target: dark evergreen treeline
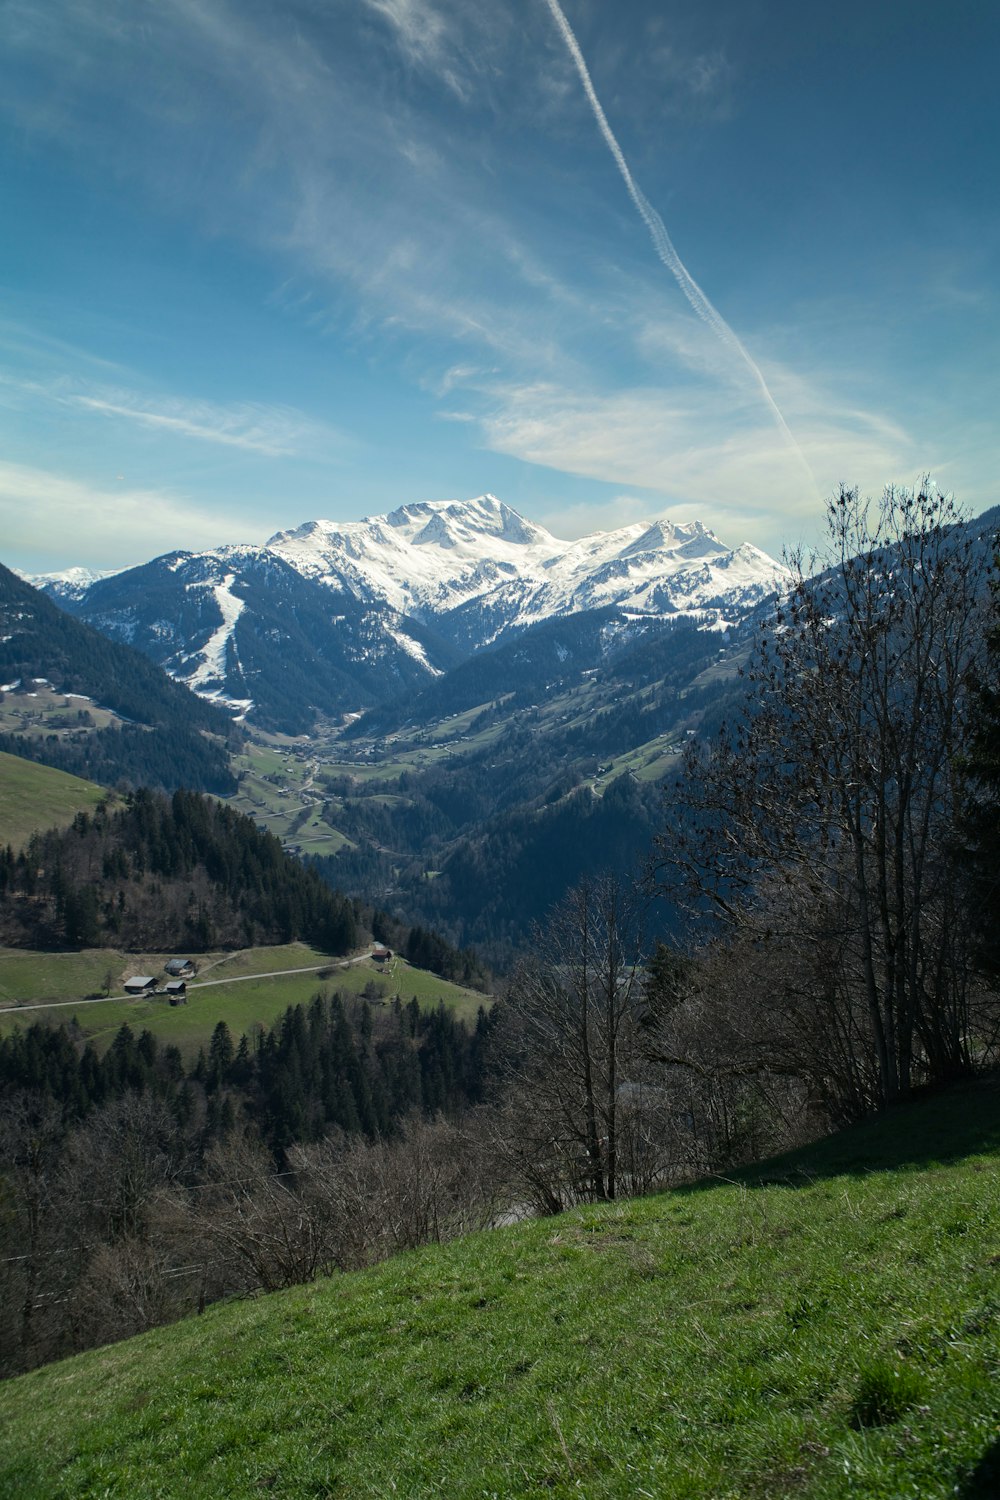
pixel 163 872
pixel 131 756
pixel 40 641
pixel 342 1064
pixel 52 1065
pixel 335 1064
pixel 425 949
pixel 493 881
pixel 133 1191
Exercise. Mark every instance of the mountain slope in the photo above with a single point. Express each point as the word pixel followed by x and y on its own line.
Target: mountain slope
pixel 241 627
pixel 155 873
pixel 478 570
pixel 826 1327
pixel 39 641
pixel 332 618
pixel 35 797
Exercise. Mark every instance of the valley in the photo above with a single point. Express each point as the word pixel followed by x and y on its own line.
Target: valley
pixel 340 1083
pixel 452 761
pixel 499 751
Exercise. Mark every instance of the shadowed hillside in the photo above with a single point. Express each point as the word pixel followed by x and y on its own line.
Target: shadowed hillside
pixel 838 1340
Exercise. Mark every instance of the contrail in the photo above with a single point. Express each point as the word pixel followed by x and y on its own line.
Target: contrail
pixel 663 244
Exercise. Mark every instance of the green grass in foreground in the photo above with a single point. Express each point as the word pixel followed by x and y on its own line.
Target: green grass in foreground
pixel 826 1328
pixel 32 978
pixel 34 798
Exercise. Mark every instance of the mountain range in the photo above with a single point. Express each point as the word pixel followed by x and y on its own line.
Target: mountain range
pixel 332 618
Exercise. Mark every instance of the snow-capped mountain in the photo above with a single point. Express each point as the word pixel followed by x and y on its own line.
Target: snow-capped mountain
pixel 437 559
pixel 240 626
pixel 72 583
pixel 333 617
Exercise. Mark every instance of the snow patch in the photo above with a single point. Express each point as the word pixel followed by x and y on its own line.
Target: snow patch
pixel 213 665
pixel 415 649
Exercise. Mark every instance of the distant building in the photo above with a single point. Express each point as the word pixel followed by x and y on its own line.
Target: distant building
pixel 140 984
pixel 179 968
pixel 381 955
pixel 176 991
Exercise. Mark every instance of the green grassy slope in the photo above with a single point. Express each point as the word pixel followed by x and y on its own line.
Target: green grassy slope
pixel 61 983
pixel 35 797
pixel 825 1328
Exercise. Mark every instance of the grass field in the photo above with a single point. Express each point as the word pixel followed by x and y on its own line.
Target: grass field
pixel 34 798
pixel 826 1328
pixel 37 978
pixel 282 791
pixel 44 711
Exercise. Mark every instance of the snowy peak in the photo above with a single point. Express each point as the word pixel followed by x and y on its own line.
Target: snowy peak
pixel 72 583
pixel 422 559
pixel 694 540
pixel 329 617
pixel 467 522
pixel 433 558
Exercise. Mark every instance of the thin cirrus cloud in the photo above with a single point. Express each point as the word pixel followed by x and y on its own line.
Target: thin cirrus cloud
pixel 393 206
pixel 421 32
pixel 275 432
pixel 423 183
pixel 107 526
pixel 730 468
pixel 254 427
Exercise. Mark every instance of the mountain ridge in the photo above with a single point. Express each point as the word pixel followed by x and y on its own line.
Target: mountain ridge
pixel 361 611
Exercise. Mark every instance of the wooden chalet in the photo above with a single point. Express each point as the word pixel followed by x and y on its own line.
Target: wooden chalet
pixel 140 984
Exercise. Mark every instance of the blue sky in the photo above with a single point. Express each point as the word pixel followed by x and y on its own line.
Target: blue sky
pixel 269 260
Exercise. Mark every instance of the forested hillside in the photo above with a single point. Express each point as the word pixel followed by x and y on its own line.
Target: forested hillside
pixel 117 1166
pixel 162 873
pixel 296 650
pixel 168 737
pixel 494 878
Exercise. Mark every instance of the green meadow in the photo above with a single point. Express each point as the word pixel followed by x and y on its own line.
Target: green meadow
pixel 826 1326
pixel 70 986
pixel 34 798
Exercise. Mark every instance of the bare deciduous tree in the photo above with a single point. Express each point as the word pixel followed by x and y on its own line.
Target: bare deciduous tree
pixel 838 785
pixel 429 1183
pixel 572 1012
pixel 259 1232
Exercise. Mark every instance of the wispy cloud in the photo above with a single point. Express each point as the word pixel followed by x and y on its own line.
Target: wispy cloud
pixel 585 518
pixel 254 427
pixel 25 340
pixel 277 432
pixel 693 451
pixel 664 246
pixel 96 524
pixel 424 181
pixel 421 32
